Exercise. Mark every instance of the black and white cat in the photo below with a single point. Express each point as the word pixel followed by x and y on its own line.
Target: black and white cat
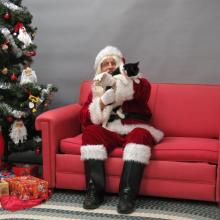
pixel 122 83
pixel 130 70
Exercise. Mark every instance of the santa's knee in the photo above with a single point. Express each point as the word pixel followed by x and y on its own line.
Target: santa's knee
pixel 140 136
pixel 92 134
pixel 92 146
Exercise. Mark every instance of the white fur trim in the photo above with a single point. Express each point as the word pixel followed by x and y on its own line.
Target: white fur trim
pixel 118 127
pixel 97 152
pixel 137 152
pixel 108 51
pixel 95 111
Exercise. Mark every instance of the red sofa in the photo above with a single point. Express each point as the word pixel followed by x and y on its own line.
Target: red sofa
pixel 186 164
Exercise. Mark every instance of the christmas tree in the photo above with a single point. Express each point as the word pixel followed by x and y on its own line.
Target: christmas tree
pixel 22 98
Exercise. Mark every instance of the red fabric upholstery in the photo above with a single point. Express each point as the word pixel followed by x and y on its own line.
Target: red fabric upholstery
pixel 184 165
pixel 171 149
pixel 187 110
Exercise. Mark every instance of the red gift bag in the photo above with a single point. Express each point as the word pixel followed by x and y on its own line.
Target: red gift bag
pixel 25 170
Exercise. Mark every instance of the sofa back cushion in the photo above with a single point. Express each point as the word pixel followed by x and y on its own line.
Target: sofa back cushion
pixel 181 110
pixel 187 110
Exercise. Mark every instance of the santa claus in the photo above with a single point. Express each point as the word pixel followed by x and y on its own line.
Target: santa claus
pixel 28 76
pixel 132 132
pixel 24 37
pixel 18 132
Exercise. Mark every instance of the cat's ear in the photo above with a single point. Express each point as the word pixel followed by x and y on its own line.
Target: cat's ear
pixel 137 63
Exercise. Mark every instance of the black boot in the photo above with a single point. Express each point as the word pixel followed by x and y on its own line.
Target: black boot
pixel 129 186
pixel 95 183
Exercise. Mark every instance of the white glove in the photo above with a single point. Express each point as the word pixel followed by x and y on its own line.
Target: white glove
pixel 108 97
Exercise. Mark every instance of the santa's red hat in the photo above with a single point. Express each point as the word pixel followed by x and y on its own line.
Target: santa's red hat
pixel 18 26
pixel 108 51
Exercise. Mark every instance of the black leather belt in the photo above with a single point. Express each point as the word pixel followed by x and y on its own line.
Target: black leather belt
pixel 130 115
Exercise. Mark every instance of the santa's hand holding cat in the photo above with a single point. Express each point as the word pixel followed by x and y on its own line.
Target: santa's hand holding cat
pixel 101 82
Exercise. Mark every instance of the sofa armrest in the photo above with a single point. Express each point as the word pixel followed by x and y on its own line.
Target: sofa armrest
pixel 55 125
pixel 218 174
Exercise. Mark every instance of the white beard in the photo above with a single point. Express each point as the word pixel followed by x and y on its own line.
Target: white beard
pixel 30 77
pixel 24 37
pixel 18 132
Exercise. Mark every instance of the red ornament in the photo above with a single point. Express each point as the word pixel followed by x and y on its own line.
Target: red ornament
pixel 30 53
pixel 13 77
pixel 38 151
pixel 7 16
pixel 17 26
pixel 9 119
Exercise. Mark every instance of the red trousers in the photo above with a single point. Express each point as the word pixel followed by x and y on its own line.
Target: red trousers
pixel 97 135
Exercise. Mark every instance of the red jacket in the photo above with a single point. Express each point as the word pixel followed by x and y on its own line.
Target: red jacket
pixel 138 104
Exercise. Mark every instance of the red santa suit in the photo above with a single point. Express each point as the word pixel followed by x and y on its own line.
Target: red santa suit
pixel 133 132
pixel 103 130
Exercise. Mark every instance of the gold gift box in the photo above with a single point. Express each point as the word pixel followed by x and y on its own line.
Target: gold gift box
pixel 4 188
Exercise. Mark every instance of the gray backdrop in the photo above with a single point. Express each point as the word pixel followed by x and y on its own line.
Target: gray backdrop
pixel 174 40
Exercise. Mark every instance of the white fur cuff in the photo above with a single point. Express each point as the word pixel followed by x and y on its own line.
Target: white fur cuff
pixel 95 111
pixel 137 152
pixel 97 152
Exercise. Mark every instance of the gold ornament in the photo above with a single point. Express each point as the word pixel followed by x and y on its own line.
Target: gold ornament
pixel 34 35
pixel 33 102
pixel 34 99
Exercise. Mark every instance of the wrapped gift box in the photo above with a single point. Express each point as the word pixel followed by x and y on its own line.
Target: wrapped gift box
pixel 28 187
pixel 4 188
pixel 25 170
pixel 6 174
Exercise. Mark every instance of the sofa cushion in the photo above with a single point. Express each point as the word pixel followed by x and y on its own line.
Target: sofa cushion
pixel 187 149
pixel 71 145
pixel 184 149
pixel 186 110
